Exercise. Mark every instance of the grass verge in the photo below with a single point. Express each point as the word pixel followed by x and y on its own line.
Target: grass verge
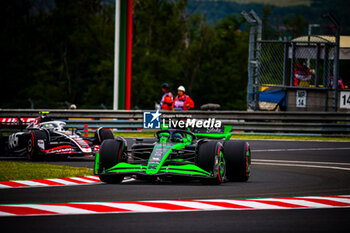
pixel 35 171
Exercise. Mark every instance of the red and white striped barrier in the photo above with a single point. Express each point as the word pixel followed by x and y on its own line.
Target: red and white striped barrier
pixel 174 205
pixel 49 182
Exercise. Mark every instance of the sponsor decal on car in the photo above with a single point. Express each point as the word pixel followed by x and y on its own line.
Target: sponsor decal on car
pixel 60 150
pixel 41 144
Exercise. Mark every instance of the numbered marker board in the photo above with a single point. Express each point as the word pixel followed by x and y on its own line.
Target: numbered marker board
pixel 345 99
pixel 301 99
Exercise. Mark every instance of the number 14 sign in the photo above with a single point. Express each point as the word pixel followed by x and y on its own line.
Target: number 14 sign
pixel 345 99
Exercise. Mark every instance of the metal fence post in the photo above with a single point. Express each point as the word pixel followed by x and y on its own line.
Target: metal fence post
pixel 317 66
pixel 257 57
pixel 285 59
pixel 250 94
pixel 326 66
pixel 326 73
pixel 335 59
pixel 292 65
pixel 336 68
pixel 250 89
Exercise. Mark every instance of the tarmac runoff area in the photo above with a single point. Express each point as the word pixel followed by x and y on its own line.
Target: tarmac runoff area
pixel 294 187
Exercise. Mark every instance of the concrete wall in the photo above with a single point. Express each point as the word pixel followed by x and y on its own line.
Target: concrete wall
pixel 316 101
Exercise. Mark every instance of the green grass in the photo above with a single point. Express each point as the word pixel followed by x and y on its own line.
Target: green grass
pixel 34 171
pixel 135 135
pixel 249 136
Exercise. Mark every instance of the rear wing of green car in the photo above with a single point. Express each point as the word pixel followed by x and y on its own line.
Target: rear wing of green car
pixel 211 133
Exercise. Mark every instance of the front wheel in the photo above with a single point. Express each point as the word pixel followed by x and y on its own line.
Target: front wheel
pixel 35 138
pixel 210 158
pixel 238 160
pixel 111 153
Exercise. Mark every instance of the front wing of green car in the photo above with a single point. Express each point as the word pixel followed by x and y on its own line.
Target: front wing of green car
pixel 124 168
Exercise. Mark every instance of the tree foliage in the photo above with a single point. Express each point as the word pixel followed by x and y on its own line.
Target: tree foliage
pixel 60 52
pixel 56 52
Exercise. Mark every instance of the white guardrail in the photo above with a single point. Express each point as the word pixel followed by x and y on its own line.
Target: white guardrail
pixel 321 123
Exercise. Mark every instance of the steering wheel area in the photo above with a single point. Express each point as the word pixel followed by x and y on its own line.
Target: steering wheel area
pixel 175 135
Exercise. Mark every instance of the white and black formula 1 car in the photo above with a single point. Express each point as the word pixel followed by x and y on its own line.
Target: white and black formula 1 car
pixel 44 137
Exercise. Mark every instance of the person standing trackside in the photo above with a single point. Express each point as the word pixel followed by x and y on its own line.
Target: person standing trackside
pixel 182 102
pixel 302 74
pixel 167 99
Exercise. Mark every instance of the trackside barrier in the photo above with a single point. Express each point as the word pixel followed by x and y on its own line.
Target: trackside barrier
pixel 86 130
pixel 333 123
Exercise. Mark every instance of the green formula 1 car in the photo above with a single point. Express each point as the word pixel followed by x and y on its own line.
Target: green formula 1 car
pixel 199 154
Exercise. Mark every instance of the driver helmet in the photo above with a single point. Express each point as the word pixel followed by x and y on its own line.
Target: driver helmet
pixel 48 126
pixel 177 137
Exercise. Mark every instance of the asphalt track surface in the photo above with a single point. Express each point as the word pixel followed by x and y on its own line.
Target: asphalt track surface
pixel 280 169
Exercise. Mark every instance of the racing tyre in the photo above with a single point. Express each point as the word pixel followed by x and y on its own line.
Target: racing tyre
pixel 238 160
pixel 33 151
pixel 111 153
pixel 104 134
pixel 210 158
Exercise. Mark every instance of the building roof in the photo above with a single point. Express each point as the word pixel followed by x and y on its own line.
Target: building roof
pixel 344 40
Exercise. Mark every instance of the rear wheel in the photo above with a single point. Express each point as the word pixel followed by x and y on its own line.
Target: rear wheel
pixel 238 160
pixel 210 158
pixel 111 153
pixel 104 134
pixel 33 150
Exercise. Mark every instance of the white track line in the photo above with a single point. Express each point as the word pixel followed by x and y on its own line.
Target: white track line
pixel 301 165
pixel 298 161
pixel 301 149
